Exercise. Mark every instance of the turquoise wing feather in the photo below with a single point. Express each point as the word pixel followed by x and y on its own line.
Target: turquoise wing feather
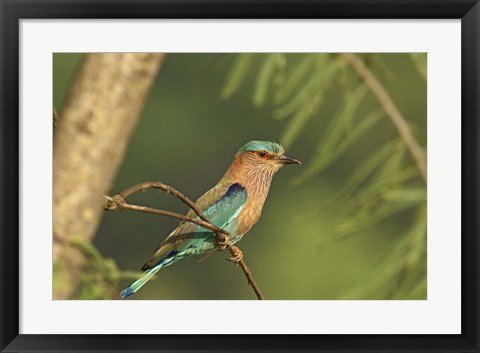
pixel 228 206
pixel 190 239
pixel 221 213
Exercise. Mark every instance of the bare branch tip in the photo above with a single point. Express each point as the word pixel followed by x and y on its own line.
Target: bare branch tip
pixel 114 203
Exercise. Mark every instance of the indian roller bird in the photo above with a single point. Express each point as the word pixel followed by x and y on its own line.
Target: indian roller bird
pixel 234 204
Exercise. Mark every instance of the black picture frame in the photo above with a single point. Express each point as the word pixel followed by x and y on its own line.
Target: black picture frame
pixel 12 11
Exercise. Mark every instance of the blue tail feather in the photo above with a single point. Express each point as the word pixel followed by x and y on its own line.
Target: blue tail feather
pixel 139 283
pixel 126 292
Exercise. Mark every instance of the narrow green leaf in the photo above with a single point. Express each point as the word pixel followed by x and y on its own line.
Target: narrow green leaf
pixel 373 193
pixel 317 84
pixel 393 271
pixel 339 126
pixel 379 63
pixel 381 276
pixel 278 79
pixel 406 195
pixel 324 156
pixel 415 258
pixel 358 131
pixel 420 62
pixel 416 254
pixel 371 196
pixel 298 121
pixel 418 237
pixel 419 292
pixel 237 74
pixel 294 79
pixel 366 168
pixel 364 221
pixel 265 76
pixel 394 162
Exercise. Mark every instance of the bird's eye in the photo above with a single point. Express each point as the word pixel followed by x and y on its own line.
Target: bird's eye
pixel 262 154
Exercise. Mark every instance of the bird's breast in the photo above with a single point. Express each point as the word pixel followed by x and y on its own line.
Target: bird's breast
pixel 256 183
pixel 249 215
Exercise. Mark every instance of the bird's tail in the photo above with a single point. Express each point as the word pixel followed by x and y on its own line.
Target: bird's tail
pixel 139 283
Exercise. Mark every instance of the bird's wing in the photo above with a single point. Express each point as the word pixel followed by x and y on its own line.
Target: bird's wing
pixel 220 205
pixel 210 197
pixel 228 206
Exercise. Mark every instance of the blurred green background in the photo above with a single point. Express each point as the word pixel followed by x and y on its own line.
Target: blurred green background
pixel 315 239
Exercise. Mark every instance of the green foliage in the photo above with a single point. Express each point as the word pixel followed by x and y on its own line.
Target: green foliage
pixel 383 186
pixel 402 273
pixel 237 74
pixel 339 136
pixel 294 79
pixel 271 73
pixel 420 62
pixel 304 103
pixel 100 280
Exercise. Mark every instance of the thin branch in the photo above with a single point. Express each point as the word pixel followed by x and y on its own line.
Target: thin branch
pixel 168 189
pixel 119 202
pixel 392 111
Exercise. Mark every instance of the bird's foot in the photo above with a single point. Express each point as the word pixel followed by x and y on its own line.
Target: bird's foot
pixel 222 242
pixel 236 255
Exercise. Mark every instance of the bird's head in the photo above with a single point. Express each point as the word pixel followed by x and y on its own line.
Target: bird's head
pixel 264 156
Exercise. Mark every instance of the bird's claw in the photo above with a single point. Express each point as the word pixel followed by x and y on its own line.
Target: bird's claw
pixel 222 242
pixel 236 255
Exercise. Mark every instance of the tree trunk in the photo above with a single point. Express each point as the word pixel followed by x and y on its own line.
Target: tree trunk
pixel 90 140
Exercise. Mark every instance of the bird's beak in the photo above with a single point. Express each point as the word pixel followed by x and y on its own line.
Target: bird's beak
pixel 288 160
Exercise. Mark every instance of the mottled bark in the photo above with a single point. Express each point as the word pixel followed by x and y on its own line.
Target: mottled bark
pixel 90 140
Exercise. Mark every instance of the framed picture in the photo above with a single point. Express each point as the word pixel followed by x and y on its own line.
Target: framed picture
pixel 327 150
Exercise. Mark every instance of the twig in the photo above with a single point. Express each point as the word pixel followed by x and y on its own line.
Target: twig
pixel 392 111
pixel 119 202
pixel 168 189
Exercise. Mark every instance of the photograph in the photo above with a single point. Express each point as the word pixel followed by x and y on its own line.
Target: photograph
pixel 239 176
